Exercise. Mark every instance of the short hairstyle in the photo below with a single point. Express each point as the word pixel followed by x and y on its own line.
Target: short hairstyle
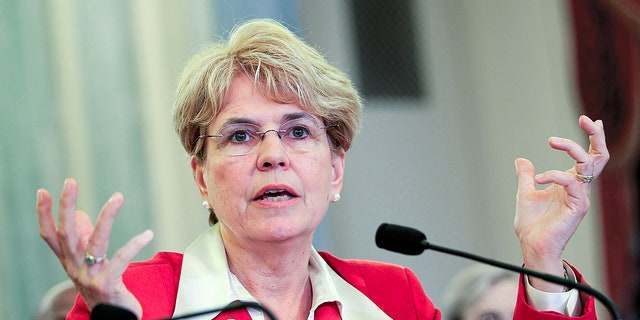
pixel 283 67
pixel 468 286
pixel 51 300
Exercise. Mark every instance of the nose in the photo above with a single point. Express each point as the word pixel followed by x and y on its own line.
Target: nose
pixel 271 130
pixel 271 152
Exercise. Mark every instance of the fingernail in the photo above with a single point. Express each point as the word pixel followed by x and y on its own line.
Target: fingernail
pixel 39 195
pixel 556 139
pixel 538 176
pixel 148 234
pixel 67 184
pixel 115 197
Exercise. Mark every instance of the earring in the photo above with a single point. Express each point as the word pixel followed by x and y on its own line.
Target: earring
pixel 205 205
pixel 336 197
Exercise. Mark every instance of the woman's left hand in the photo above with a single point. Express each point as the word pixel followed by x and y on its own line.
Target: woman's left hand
pixel 546 219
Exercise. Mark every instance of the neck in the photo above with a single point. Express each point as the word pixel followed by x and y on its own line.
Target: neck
pixel 275 274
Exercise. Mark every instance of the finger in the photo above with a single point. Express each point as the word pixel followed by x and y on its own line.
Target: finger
pixel 120 260
pixel 577 197
pixel 597 142
pixel 66 227
pixel 584 162
pixel 555 176
pixel 525 172
pixel 47 222
pixel 84 229
pixel 592 128
pixel 99 240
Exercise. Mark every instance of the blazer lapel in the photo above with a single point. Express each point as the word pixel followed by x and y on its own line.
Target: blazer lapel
pixel 238 314
pixel 327 311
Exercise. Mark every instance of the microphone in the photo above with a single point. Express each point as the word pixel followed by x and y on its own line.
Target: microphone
pixel 109 312
pixel 413 242
pixel 232 306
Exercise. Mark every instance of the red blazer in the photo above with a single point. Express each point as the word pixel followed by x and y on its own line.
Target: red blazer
pixel 395 289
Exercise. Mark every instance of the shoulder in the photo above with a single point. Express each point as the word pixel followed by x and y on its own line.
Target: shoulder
pixel 162 266
pixel 161 260
pixel 366 269
pixel 155 283
pixel 395 289
pixel 358 263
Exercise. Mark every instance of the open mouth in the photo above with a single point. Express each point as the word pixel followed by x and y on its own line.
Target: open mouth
pixel 275 195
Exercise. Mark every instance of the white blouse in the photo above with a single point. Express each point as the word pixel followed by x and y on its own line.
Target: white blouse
pixel 206 283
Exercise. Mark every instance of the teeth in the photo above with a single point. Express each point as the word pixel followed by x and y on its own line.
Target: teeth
pixel 278 198
pixel 276 195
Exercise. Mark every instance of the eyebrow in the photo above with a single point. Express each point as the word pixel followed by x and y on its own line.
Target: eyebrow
pixel 238 120
pixel 285 118
pixel 297 115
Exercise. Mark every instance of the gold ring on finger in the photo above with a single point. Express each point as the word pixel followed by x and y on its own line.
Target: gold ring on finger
pixel 583 178
pixel 90 259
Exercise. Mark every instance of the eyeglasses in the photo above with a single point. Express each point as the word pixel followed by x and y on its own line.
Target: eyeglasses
pixel 239 139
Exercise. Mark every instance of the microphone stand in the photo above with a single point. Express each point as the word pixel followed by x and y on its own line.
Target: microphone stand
pixel 232 306
pixel 109 312
pixel 411 241
pixel 545 276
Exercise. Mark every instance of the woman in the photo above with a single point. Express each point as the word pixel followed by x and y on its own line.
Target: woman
pixel 481 292
pixel 57 301
pixel 267 123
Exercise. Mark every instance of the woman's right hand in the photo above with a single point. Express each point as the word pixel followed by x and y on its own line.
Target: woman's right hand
pixel 74 236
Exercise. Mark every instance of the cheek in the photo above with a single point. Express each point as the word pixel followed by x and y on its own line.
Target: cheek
pixel 317 176
pixel 226 180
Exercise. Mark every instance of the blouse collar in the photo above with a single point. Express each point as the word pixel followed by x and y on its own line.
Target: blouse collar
pixel 206 283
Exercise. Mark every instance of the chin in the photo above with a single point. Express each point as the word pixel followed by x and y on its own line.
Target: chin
pixel 284 231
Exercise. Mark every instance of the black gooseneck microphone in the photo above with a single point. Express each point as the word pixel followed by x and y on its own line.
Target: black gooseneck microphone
pixel 413 242
pixel 110 312
pixel 232 306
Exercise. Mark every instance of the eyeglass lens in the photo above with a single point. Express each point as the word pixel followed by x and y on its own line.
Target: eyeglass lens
pixel 301 134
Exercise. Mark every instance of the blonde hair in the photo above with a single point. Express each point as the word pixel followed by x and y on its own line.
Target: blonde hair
pixel 283 67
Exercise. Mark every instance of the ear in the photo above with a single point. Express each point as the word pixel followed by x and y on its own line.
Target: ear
pixel 337 164
pixel 198 176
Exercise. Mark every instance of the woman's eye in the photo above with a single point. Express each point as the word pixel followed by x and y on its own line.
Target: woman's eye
pixel 298 132
pixel 239 136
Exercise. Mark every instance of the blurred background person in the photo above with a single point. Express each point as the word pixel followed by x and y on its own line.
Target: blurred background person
pixel 57 302
pixel 481 292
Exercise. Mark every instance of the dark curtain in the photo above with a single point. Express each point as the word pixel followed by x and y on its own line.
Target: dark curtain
pixel 607 42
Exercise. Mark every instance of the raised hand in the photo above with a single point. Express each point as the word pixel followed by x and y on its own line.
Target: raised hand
pixel 546 219
pixel 82 249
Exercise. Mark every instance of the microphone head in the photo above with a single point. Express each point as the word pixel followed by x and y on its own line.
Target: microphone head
pixel 400 239
pixel 107 312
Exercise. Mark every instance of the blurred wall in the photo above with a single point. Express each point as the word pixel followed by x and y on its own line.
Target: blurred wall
pixel 87 89
pixel 499 77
